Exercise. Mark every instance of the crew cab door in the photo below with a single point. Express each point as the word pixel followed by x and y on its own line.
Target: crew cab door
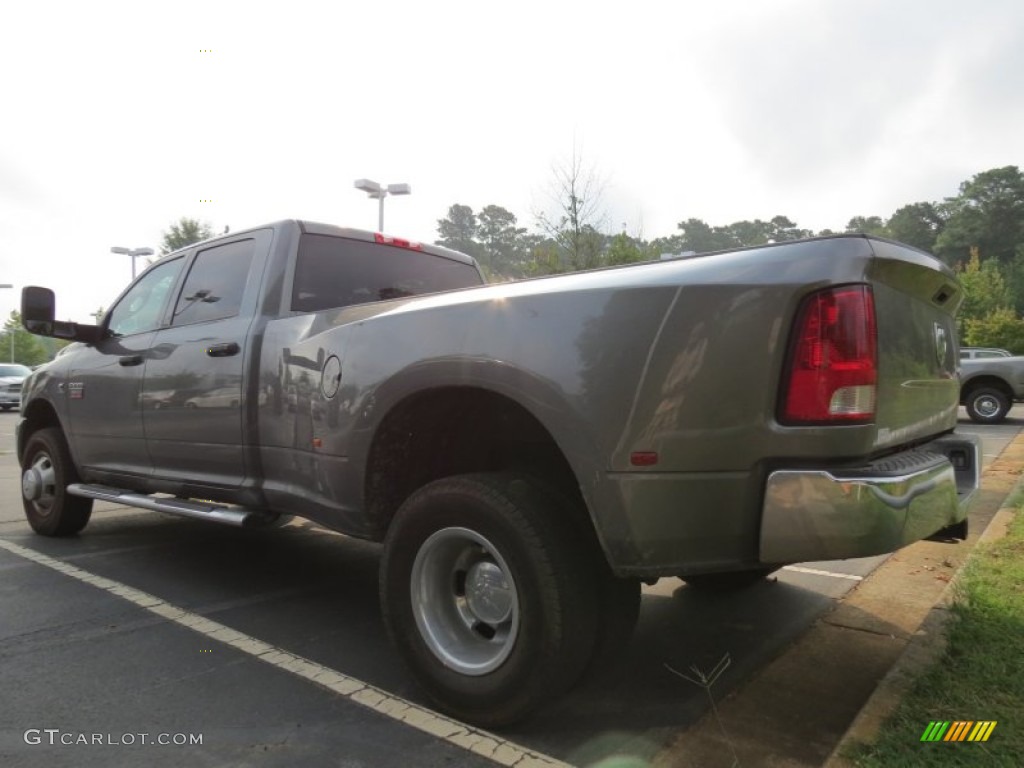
pixel 104 385
pixel 195 386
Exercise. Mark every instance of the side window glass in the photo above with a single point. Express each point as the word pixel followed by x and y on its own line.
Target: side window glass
pixel 141 308
pixel 215 284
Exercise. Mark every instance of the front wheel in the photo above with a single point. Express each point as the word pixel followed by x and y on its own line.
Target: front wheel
pixel 986 405
pixel 485 593
pixel 47 470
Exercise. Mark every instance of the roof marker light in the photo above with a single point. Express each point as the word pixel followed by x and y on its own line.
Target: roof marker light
pixel 398 242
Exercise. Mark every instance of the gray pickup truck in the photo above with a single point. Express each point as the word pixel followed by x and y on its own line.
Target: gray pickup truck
pixel 990 385
pixel 527 452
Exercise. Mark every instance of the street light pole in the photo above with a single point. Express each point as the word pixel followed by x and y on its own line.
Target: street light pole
pixel 379 191
pixel 10 332
pixel 134 253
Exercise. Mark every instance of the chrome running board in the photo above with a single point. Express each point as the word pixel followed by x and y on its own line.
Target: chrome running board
pixel 198 510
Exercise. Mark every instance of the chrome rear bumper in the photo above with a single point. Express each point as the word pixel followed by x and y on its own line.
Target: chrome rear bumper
pixel 813 514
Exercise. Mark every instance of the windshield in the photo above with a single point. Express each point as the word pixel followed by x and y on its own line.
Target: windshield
pixel 14 369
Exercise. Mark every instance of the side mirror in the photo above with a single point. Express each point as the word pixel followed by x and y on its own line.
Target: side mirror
pixel 37 313
pixel 37 310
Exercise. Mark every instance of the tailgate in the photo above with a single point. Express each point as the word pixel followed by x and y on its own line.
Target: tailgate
pixel 916 298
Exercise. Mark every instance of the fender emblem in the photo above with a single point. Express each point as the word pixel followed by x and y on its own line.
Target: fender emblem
pixel 76 390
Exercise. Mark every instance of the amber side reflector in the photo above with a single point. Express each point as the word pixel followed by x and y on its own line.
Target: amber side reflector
pixel 643 458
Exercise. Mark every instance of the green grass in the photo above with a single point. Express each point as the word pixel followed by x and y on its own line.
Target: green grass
pixel 980 676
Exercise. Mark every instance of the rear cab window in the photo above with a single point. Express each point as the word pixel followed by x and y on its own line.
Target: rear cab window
pixel 333 272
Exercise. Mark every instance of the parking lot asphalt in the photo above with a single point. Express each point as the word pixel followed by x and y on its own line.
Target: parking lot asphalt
pixel 269 646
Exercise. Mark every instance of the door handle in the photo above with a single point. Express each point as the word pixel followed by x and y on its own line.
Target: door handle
pixel 129 360
pixel 223 350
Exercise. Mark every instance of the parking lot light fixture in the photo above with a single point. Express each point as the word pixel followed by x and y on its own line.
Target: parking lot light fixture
pixel 380 191
pixel 134 253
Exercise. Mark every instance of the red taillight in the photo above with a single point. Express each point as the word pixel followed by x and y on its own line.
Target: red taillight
pixel 833 359
pixel 397 242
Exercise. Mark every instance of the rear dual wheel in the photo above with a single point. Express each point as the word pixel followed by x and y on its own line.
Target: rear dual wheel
pixel 492 599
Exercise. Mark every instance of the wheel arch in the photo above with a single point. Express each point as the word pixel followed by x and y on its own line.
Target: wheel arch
pixel 38 414
pixel 985 381
pixel 462 424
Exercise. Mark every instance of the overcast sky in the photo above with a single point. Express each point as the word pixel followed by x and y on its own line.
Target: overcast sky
pixel 116 120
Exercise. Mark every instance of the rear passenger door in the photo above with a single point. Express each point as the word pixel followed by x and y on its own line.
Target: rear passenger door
pixel 195 390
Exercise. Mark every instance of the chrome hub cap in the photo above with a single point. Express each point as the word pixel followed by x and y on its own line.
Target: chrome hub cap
pixel 488 595
pixel 38 482
pixel 464 601
pixel 987 406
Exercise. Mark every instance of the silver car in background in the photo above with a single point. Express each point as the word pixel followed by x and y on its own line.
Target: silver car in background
pixel 11 377
pixel 975 353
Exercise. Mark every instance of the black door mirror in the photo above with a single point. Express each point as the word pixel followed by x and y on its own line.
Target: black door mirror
pixel 37 313
pixel 37 310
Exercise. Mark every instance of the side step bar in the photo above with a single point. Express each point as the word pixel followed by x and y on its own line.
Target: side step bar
pixel 199 510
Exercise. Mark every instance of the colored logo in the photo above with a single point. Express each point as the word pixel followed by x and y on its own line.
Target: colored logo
pixel 960 730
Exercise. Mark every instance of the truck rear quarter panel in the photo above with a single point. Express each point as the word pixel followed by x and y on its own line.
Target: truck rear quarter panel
pixel 681 358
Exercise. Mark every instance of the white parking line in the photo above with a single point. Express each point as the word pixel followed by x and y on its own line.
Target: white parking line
pixel 816 572
pixel 452 731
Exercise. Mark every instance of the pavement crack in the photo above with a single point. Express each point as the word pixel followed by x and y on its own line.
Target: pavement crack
pixel 903 636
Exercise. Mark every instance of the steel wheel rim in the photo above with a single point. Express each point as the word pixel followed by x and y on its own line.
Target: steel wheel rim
pixel 465 601
pixel 39 484
pixel 987 406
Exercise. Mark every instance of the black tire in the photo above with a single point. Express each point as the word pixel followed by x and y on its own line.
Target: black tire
pixel 618 599
pixel 731 581
pixel 6 407
pixel 47 470
pixel 987 405
pixel 496 540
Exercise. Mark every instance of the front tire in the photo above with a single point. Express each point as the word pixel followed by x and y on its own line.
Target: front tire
pixel 47 470
pixel 987 405
pixel 486 594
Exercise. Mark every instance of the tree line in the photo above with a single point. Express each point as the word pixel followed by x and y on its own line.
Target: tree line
pixel 979 232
